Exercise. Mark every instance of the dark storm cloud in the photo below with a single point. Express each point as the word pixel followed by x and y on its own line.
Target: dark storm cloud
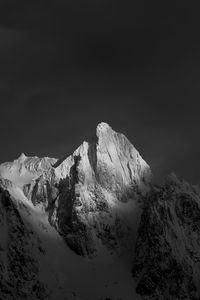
pixel 65 66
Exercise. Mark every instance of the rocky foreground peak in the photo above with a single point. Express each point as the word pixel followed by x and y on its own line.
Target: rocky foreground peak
pixel 110 160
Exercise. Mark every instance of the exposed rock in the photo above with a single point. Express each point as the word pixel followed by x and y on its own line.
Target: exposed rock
pixel 19 270
pixel 95 199
pixel 167 258
pixel 104 174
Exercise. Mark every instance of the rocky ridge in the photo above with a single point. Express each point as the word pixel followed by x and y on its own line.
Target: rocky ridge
pixel 167 255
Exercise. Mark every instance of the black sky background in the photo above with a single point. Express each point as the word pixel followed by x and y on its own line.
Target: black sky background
pixel 65 66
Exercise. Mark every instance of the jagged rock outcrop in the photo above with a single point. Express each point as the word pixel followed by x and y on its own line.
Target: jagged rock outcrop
pixel 102 175
pixel 167 257
pixel 19 268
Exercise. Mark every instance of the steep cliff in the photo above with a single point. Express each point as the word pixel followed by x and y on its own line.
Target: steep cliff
pixel 104 181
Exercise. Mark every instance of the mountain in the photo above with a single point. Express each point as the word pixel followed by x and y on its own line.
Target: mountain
pixel 106 178
pixel 89 202
pixel 94 226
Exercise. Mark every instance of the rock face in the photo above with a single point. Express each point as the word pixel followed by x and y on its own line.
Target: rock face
pixel 19 269
pixel 167 258
pixel 105 174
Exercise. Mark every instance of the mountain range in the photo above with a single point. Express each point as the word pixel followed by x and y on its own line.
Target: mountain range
pixel 95 226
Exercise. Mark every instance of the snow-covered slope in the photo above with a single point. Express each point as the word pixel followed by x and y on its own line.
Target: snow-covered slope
pixel 25 169
pixel 90 202
pixel 92 226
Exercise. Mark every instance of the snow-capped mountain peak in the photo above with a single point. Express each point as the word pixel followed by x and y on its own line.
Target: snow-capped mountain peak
pixel 100 203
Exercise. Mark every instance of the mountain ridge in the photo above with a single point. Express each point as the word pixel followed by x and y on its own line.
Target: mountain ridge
pixel 102 206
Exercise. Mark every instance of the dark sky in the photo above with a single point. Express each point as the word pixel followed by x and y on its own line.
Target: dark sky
pixel 67 65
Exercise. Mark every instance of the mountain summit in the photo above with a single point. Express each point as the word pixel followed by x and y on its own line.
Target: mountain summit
pixel 100 176
pixel 93 226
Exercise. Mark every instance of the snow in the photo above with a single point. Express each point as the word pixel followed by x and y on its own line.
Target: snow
pixel 118 167
pixel 67 273
pixel 64 272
